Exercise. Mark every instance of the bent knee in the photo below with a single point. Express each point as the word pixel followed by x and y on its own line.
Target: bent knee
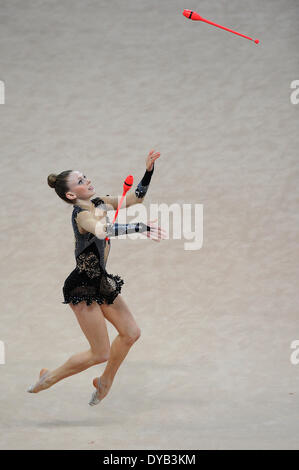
pixel 132 336
pixel 99 357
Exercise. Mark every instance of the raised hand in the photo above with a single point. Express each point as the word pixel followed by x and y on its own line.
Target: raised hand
pixel 150 159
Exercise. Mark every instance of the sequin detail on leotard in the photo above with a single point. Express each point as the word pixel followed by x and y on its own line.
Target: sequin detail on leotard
pixel 90 281
pixel 89 263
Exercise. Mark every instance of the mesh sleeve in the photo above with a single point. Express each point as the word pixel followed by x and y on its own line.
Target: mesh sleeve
pixel 142 187
pixel 114 230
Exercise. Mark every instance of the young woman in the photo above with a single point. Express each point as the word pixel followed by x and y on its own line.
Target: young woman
pixel 92 293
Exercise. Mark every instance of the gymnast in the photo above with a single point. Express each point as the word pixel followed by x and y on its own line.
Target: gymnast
pixel 92 293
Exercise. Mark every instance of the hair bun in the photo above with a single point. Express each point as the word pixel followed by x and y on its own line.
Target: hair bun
pixel 52 180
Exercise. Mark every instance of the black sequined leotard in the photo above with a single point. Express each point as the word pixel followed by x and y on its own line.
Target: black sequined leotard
pixel 90 281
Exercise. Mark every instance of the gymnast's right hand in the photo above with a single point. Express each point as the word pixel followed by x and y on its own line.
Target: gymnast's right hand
pixel 156 233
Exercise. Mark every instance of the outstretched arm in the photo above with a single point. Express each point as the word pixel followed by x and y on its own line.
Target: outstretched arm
pixel 136 196
pixel 99 226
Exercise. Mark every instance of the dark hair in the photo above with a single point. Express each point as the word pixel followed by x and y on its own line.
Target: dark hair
pixel 60 184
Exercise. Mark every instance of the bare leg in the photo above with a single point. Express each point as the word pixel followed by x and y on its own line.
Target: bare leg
pixel 120 316
pixel 118 351
pixel 93 325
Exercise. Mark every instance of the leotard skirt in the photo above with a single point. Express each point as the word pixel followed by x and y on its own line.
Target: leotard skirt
pixel 90 281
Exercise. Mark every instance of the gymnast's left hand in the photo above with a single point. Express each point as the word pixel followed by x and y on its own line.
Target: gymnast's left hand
pixel 150 159
pixel 156 233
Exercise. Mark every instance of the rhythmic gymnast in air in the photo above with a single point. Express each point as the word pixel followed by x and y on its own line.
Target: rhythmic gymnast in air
pixel 92 293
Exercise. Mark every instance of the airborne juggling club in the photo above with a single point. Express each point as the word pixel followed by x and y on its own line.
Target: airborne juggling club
pixel 128 183
pixel 192 15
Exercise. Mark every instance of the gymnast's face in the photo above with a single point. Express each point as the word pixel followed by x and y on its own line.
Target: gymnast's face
pixel 79 186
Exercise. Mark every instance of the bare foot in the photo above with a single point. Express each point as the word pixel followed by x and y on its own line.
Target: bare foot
pixel 105 386
pixel 42 383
